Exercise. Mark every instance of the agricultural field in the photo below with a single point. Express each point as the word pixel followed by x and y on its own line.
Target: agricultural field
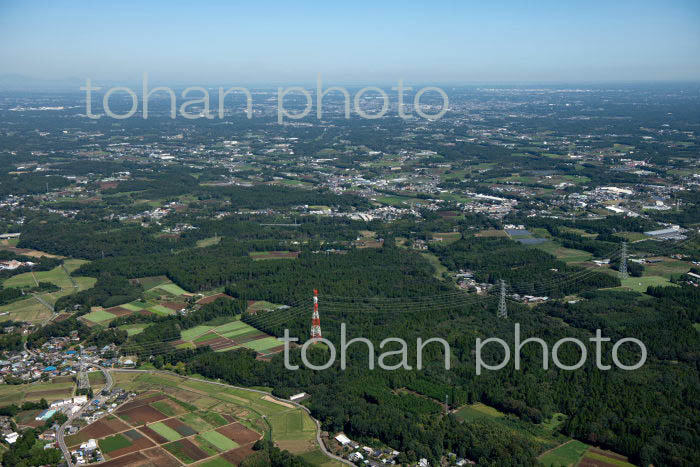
pixel 597 457
pixel 568 454
pixel 667 268
pixel 165 431
pixel 152 281
pixel 160 288
pixel 153 305
pixel 491 233
pixel 34 392
pixel 223 335
pixel 266 255
pixel 99 316
pixel 575 453
pixel 215 424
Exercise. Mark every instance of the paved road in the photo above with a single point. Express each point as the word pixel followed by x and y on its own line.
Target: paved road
pixel 60 434
pixel 286 401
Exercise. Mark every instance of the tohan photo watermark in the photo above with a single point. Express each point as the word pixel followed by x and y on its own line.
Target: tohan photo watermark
pixel 199 96
pixel 403 352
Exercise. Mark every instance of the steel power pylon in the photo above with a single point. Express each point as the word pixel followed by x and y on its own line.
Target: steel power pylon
pixel 623 261
pixel 502 308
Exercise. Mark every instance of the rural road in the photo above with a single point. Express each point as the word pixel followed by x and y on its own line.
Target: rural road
pixel 286 401
pixel 60 434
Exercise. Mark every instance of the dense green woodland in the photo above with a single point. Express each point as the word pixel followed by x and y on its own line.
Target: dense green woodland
pixel 650 415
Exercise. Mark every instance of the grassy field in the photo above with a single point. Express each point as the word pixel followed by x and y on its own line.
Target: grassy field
pixel 631 236
pixel 640 284
pixel 216 462
pixel 99 316
pixel 96 378
pixel 208 242
pixel 133 329
pixel 669 267
pixel 435 262
pixel 173 289
pixel 567 255
pixel 50 391
pixel 477 411
pixel 160 310
pixel 260 345
pixel 261 305
pixel 556 420
pixel 30 309
pixel 568 454
pixel 268 255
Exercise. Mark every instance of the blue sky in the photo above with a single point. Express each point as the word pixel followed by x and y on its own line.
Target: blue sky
pixel 361 42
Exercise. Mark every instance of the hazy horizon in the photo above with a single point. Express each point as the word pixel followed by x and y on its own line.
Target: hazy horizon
pixel 273 42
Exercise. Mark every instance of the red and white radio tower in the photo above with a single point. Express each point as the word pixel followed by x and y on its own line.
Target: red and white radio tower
pixel 315 320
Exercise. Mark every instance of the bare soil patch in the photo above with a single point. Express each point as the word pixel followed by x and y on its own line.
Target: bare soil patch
pixel 141 415
pixel 134 459
pixel 145 400
pixel 119 311
pixel 158 457
pixel 239 433
pixel 213 298
pixel 180 427
pixel 275 401
pixel 237 455
pixel 153 435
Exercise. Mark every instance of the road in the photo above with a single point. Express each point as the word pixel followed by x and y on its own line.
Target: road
pixel 286 401
pixel 60 434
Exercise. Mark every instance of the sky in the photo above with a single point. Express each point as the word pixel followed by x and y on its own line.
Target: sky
pixel 363 42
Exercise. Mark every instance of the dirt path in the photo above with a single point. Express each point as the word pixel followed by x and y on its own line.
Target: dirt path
pixel 555 447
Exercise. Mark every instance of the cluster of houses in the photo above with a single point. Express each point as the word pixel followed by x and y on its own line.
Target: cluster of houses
pixel 51 361
pixel 87 453
pixel 354 452
pixel 57 358
pixel 106 402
